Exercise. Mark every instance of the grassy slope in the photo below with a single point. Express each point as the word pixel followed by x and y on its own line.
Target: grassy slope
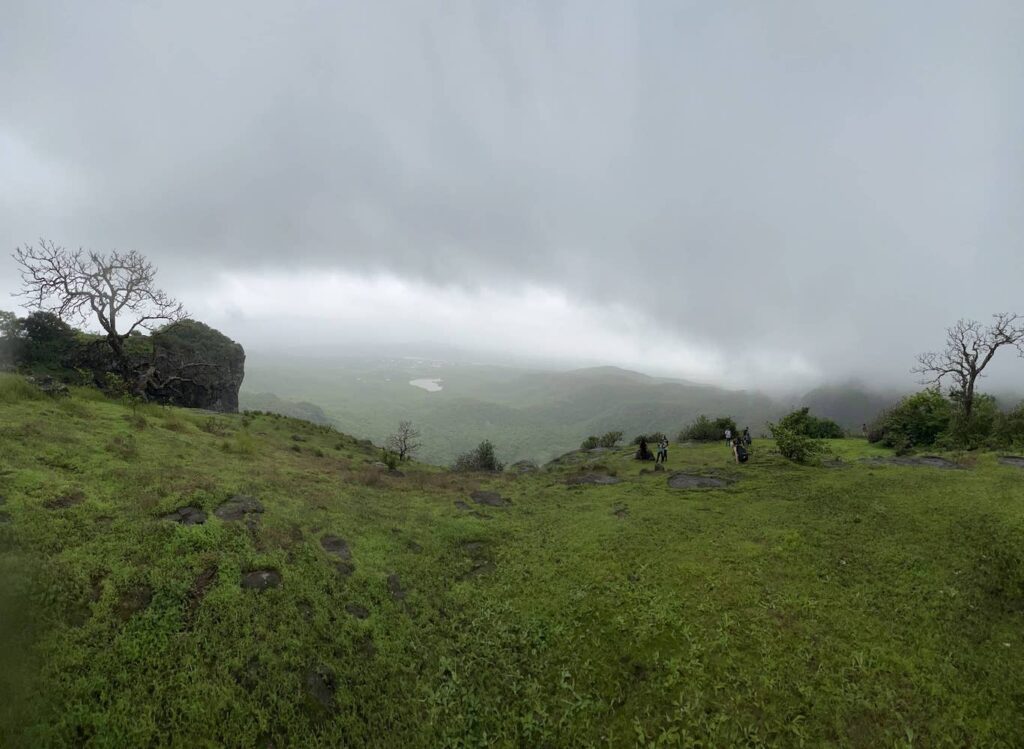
pixel 860 606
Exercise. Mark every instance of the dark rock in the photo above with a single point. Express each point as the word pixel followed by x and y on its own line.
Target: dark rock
pixel 927 461
pixel 689 481
pixel 187 516
pixel 337 546
pixel 359 612
pixel 133 601
pixel 599 479
pixel 261 579
pixel 524 466
pixel 491 499
pixel 64 501
pixel 344 569
pixel 460 505
pixel 190 365
pixel 50 386
pixel 321 684
pixel 1012 460
pixel 414 547
pixel 395 587
pixel 239 507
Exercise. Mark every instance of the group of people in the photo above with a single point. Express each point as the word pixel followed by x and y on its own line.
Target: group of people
pixel 739 444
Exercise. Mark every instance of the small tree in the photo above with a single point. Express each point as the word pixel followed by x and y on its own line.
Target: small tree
pixel 970 347
pixel 404 442
pixel 482 458
pixel 118 290
pixel 609 439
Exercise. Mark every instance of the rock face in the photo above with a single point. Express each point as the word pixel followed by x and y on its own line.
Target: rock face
pixel 197 367
pixel 187 364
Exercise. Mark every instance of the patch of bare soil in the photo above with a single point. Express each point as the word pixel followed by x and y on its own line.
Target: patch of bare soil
pixel 132 601
pixel 491 499
pixel 598 479
pixel 239 507
pixel 186 516
pixel 64 501
pixel 261 579
pixel 692 481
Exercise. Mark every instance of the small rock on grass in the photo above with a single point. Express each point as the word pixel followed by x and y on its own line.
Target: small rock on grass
pixel 239 507
pixel 261 579
pixel 187 516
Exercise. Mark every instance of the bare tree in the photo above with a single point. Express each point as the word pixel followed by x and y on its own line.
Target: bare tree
pixel 405 440
pixel 970 347
pixel 117 290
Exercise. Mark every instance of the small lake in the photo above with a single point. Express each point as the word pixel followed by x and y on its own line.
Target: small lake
pixel 431 386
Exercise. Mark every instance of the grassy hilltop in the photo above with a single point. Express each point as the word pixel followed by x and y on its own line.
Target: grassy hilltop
pixel 859 604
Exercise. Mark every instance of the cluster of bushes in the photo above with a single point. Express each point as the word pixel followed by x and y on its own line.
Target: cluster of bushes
pixel 652 438
pixel 41 340
pixel 708 430
pixel 929 418
pixel 608 439
pixel 482 458
pixel 802 422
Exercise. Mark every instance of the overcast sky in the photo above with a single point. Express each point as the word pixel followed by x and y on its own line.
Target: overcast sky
pixel 751 193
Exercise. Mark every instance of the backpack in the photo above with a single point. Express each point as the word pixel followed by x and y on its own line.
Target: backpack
pixel 741 453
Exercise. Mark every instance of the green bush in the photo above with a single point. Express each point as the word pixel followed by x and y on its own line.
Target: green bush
pixel 1008 429
pixel 917 420
pixel 590 443
pixel 708 430
pixel 794 445
pixel 652 439
pixel 480 459
pixel 609 439
pixel 803 422
pixel 977 431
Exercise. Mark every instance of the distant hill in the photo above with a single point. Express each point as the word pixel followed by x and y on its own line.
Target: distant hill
pixel 273 404
pixel 528 414
pixel 849 405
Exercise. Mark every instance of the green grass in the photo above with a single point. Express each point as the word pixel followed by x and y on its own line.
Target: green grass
pixel 864 605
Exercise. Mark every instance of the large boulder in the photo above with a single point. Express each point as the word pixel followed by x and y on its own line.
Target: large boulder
pixel 196 367
pixel 187 364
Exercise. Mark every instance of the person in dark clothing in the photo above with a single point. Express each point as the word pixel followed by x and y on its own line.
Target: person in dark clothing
pixel 642 452
pixel 747 440
pixel 739 451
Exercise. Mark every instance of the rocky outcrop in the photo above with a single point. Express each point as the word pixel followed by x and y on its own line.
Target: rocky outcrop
pixel 187 364
pixel 196 367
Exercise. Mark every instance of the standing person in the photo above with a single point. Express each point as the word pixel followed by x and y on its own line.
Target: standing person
pixel 747 440
pixel 728 436
pixel 662 450
pixel 739 452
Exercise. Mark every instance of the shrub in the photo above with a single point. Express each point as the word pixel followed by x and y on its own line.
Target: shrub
pixel 390 459
pixel 480 459
pixel 803 422
pixel 917 420
pixel 589 443
pixel 609 439
pixel 707 430
pixel 793 445
pixel 1009 427
pixel 652 439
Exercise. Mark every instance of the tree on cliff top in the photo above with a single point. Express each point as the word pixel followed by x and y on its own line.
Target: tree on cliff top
pixel 117 290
